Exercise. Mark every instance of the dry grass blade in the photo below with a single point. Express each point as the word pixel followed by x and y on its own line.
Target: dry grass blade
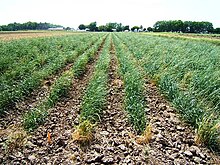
pixel 16 138
pixel 146 137
pixel 84 132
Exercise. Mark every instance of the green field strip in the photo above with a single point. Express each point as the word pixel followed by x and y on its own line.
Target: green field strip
pixel 184 36
pixel 59 89
pixel 11 95
pixel 20 52
pixel 187 73
pixel 134 86
pixel 22 70
pixel 94 100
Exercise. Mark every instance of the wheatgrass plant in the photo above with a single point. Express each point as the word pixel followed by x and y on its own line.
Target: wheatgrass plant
pixel 59 89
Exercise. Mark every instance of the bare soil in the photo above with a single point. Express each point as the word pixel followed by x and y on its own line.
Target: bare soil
pixel 114 143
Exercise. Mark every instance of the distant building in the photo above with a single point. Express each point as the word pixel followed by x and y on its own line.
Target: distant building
pixel 56 29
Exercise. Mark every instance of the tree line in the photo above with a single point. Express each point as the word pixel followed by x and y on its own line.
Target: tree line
pixel 185 27
pixel 27 26
pixel 159 26
pixel 109 27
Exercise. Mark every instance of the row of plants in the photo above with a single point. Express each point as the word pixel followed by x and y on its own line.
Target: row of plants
pixel 22 69
pixel 59 89
pixel 134 86
pixel 23 51
pixel 94 99
pixel 187 72
pixel 11 94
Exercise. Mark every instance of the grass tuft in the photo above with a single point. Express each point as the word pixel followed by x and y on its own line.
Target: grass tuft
pixel 84 132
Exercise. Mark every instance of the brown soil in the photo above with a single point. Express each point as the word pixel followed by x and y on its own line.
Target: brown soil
pixel 59 125
pixel 13 117
pixel 113 143
pixel 173 141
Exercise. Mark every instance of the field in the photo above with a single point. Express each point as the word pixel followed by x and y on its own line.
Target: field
pixel 7 36
pixel 109 98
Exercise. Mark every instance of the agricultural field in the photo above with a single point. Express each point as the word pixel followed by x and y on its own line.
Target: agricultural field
pixel 7 36
pixel 109 98
pixel 212 38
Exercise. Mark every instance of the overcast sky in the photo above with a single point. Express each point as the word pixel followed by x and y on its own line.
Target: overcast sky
pixel 128 12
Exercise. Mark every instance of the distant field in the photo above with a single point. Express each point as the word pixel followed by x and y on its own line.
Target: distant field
pixel 5 36
pixel 214 38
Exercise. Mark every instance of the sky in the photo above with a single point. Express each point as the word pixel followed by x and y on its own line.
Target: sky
pixel 128 12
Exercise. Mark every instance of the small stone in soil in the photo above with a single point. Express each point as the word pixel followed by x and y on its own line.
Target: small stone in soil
pixel 197 159
pixel 107 160
pixel 122 147
pixel 105 133
pixel 188 153
pixel 32 158
pixel 179 128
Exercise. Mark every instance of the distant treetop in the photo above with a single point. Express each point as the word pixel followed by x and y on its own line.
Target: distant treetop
pixel 27 26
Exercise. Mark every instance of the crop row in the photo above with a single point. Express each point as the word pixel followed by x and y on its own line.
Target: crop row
pixel 134 86
pixel 94 99
pixel 187 72
pixel 60 88
pixel 12 91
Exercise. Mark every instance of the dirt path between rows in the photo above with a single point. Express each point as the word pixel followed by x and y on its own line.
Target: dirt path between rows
pixel 173 141
pixel 112 144
pixel 59 124
pixel 13 117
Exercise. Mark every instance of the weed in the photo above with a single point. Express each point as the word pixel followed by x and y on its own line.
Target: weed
pixel 16 138
pixel 208 132
pixel 84 132
pixel 146 136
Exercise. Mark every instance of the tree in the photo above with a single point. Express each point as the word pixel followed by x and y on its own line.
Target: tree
pixel 67 28
pixel 141 27
pixel 119 27
pixel 135 28
pixel 217 31
pixel 150 29
pixel 92 26
pixel 126 28
pixel 82 27
pixel 180 26
pixel 102 28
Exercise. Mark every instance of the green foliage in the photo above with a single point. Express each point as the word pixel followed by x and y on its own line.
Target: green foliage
pixel 33 118
pixel 208 132
pixel 126 28
pixel 109 27
pixel 92 26
pixel 33 60
pixel 135 28
pixel 180 26
pixel 94 99
pixel 79 67
pixel 27 26
pixel 216 30
pixel 134 86
pixel 187 72
pixel 82 27
pixel 150 29
pixel 60 88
